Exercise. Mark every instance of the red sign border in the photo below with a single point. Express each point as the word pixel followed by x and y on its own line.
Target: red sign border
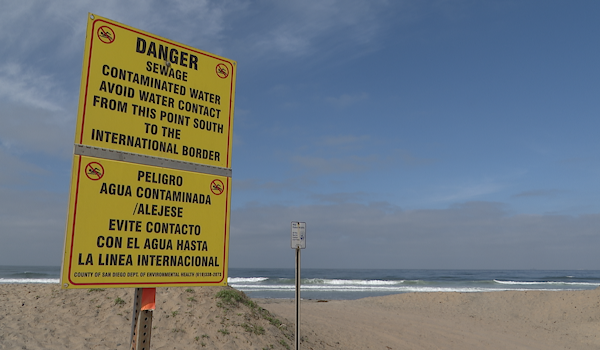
pixel 87 78
pixel 225 238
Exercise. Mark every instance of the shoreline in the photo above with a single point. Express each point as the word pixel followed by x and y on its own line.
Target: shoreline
pixel 43 316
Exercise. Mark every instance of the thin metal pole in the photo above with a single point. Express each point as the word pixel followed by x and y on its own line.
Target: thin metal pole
pixel 297 298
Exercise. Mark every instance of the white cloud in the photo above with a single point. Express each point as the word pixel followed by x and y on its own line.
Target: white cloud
pixel 16 171
pixel 58 27
pixel 300 26
pixel 319 165
pixel 470 235
pixel 469 192
pixel 536 193
pixel 32 225
pixel 341 197
pixel 205 21
pixel 27 87
pixel 346 100
pixel 344 140
pixel 27 129
pixel 292 184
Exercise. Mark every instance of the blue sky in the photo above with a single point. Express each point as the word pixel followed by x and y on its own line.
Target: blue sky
pixel 407 134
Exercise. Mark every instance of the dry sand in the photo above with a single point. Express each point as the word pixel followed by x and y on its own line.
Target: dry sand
pixel 36 316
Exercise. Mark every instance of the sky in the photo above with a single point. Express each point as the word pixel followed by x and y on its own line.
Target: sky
pixel 425 134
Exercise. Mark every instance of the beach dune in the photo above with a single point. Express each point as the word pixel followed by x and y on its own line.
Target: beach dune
pixel 42 316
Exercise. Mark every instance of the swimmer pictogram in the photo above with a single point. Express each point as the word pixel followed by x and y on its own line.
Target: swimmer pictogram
pixel 106 34
pixel 222 70
pixel 94 171
pixel 217 187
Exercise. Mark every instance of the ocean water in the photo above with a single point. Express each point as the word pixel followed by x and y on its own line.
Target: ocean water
pixel 342 284
pixel 29 274
pixel 354 284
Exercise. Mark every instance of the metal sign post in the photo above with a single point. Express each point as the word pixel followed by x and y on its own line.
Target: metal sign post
pixel 298 242
pixel 137 307
pixel 144 303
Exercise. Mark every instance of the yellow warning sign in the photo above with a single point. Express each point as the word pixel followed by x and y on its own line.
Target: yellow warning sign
pixel 132 225
pixel 144 94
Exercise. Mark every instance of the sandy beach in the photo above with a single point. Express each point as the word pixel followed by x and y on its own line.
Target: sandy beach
pixel 42 316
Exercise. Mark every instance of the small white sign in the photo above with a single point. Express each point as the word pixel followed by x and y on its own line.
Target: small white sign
pixel 298 235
